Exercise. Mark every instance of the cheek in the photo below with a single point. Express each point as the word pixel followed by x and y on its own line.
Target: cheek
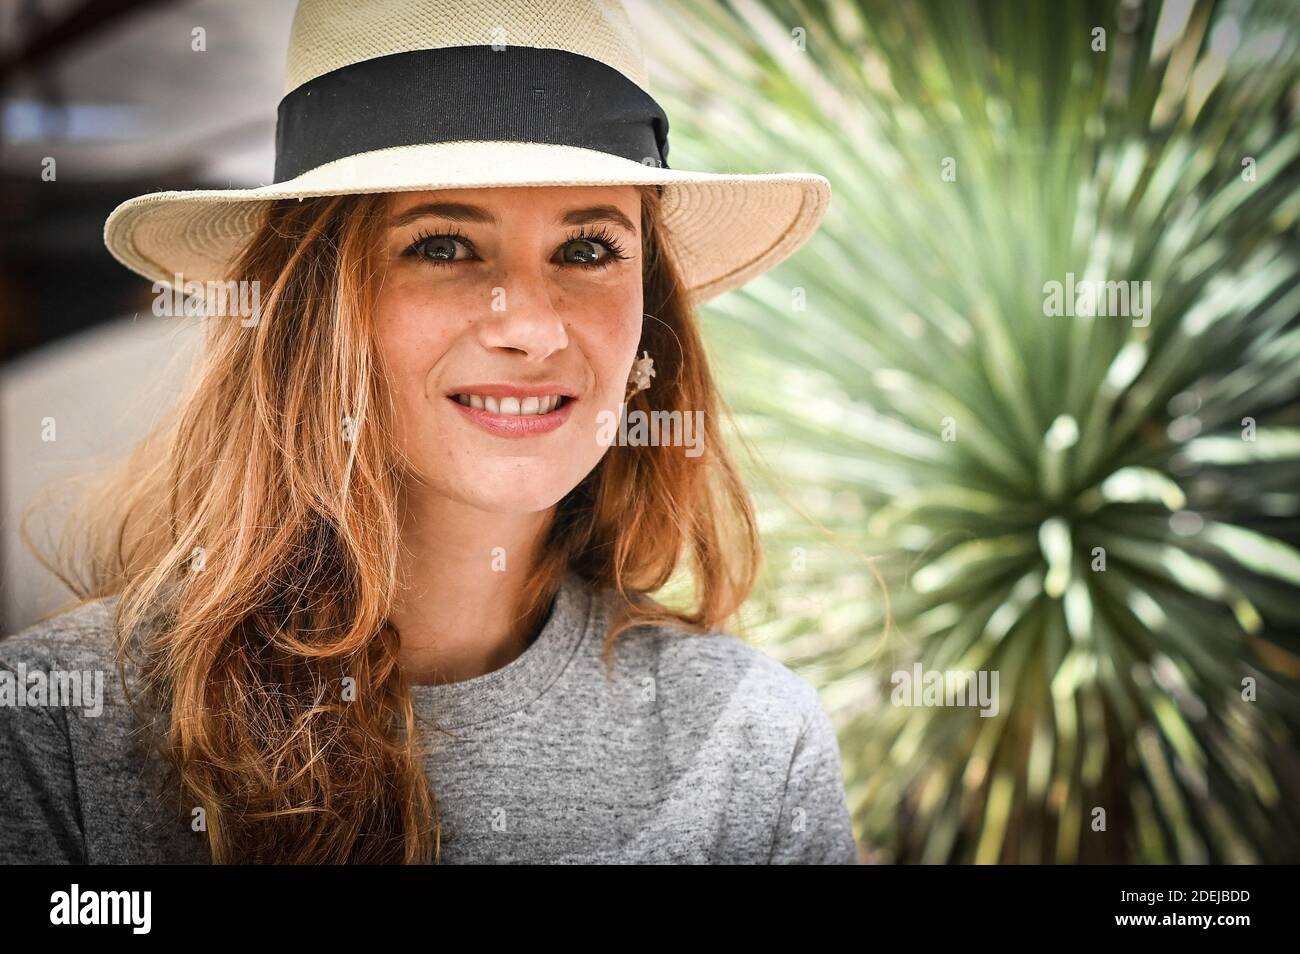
pixel 413 330
pixel 610 338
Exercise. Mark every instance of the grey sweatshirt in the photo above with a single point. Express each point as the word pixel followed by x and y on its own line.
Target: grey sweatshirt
pixel 702 750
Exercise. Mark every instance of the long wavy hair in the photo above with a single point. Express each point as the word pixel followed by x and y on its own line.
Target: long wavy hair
pixel 253 540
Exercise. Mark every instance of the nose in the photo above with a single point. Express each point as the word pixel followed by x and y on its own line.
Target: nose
pixel 522 318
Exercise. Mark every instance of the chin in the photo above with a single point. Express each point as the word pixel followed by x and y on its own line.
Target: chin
pixel 518 490
pixel 511 503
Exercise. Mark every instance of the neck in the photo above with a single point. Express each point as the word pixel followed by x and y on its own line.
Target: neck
pixel 459 611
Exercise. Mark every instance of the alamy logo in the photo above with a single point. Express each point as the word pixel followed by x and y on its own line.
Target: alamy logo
pixel 652 429
pixel 1098 299
pixel 102 907
pixel 946 687
pixel 214 299
pixel 39 688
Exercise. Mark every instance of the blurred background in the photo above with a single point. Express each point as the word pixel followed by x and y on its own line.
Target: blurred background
pixel 953 471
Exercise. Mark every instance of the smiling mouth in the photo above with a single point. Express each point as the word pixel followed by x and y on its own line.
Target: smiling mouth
pixel 534 406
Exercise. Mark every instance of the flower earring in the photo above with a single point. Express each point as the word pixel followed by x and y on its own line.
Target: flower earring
pixel 643 369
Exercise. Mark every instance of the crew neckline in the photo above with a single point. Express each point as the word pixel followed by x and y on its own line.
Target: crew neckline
pixel 494 694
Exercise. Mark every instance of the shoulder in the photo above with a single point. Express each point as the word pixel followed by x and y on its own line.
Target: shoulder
pixel 66 725
pixel 749 726
pixel 80 638
pixel 716 672
pixel 63 664
pixel 746 673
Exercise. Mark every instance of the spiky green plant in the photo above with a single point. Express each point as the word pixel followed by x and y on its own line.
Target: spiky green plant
pixel 1104 510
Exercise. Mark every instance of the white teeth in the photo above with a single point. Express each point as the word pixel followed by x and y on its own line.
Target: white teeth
pixel 511 405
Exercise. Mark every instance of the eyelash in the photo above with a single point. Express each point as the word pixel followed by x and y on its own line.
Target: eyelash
pixel 601 236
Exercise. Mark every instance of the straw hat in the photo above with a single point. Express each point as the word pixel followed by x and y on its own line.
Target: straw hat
pixel 398 95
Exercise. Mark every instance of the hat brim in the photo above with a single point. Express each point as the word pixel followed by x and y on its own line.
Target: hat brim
pixel 723 230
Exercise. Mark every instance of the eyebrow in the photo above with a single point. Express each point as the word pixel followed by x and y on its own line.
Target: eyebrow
pixel 463 212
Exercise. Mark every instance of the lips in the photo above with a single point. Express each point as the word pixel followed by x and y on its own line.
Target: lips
pixel 507 410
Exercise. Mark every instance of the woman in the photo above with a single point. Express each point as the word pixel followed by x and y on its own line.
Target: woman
pixel 379 591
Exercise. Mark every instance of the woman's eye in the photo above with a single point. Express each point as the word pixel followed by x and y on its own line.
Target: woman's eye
pixel 596 250
pixel 583 252
pixel 437 249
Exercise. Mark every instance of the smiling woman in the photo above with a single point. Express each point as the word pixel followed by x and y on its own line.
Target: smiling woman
pixel 378 591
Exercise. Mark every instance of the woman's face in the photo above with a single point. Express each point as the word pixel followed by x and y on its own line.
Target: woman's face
pixel 509 320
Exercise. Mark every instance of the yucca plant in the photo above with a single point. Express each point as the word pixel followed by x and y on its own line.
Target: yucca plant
pixel 1103 510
